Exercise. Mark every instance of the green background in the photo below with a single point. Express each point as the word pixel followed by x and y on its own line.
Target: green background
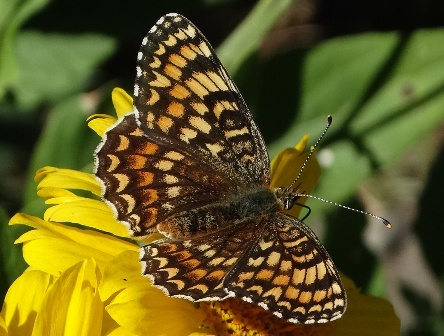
pixel 378 70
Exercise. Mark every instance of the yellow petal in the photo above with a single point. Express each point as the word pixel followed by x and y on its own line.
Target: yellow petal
pixel 67 179
pixel 3 328
pixel 366 315
pixel 286 166
pixel 54 247
pixel 23 300
pixel 85 211
pixel 123 103
pixel 99 123
pixel 141 308
pixel 72 305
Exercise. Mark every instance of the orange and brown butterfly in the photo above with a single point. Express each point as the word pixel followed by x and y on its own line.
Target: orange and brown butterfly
pixel 189 162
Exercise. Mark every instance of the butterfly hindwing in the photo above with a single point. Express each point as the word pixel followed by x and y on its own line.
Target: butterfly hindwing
pixel 276 263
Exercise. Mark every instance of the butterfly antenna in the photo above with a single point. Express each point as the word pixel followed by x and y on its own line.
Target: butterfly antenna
pixel 294 196
pixel 313 148
pixel 379 218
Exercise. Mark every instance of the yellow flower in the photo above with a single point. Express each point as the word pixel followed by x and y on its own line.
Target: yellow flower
pixel 84 275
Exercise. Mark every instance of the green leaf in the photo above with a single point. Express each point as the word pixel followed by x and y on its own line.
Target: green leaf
pixel 385 92
pixel 13 13
pixel 53 66
pixel 246 39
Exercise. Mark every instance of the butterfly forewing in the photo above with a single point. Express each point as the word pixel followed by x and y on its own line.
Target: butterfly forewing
pixel 185 97
pixel 146 182
pixel 189 162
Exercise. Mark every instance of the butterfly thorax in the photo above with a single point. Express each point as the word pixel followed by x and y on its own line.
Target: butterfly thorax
pixel 232 210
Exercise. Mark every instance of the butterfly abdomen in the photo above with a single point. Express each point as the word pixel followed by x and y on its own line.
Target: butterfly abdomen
pixel 236 209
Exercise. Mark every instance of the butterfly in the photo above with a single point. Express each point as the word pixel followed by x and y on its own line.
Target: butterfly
pixel 190 162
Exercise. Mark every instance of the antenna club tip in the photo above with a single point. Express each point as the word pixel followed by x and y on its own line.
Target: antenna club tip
pixel 387 223
pixel 329 119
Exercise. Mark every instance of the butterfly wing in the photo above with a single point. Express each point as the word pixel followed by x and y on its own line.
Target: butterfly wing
pixel 289 272
pixel 185 97
pixel 276 263
pixel 145 182
pixel 190 141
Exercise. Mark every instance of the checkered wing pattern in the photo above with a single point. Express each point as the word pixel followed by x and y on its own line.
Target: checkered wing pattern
pixel 190 162
pixel 277 263
pixel 195 137
pixel 186 98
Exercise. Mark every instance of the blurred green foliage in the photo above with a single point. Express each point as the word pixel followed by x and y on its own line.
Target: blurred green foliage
pixel 385 91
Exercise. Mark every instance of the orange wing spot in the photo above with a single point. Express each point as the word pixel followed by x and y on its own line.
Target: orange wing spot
pixel 196 274
pixel 255 262
pixel 196 87
pixel 205 81
pixel 160 81
pixel 179 92
pixel 161 50
pixel 200 108
pixel 172 155
pixel 147 148
pixel 257 289
pixel 200 124
pixel 186 134
pixel 178 60
pixel 179 284
pixel 276 292
pixel 171 41
pixel 319 295
pixel 170 179
pixel 123 182
pixel 220 107
pixel 165 123
pixel 200 287
pixel 156 62
pixel 281 280
pixel 190 31
pixel 215 149
pixel 123 143
pixel 220 83
pixel 286 265
pixel 187 52
pixel 129 200
pixel 164 165
pixel 292 293
pixel 137 132
pixel 310 275
pixel 205 49
pixel 273 258
pixel 216 275
pixel 144 178
pixel 265 274
pixel 173 71
pixel 237 132
pixel 136 161
pixel 176 109
pixel 336 288
pixel 113 164
pixel 216 261
pixel 182 255
pixel 298 276
pixel 154 97
pixel 181 35
pixel 305 297
pixel 245 276
pixel 321 270
pixel 173 192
